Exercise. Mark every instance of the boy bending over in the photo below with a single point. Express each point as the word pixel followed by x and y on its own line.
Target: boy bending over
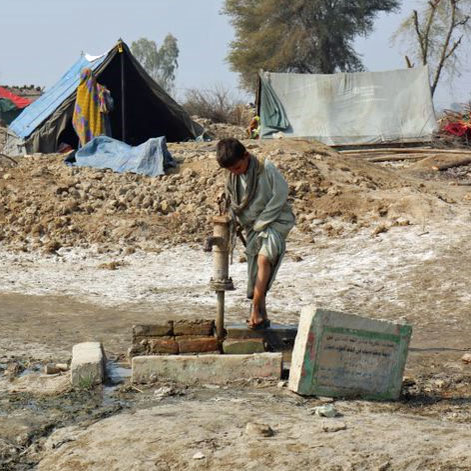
pixel 258 199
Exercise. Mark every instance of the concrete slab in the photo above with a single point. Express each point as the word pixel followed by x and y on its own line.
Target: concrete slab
pixel 337 354
pixel 216 369
pixel 88 364
pixel 279 337
pixel 243 346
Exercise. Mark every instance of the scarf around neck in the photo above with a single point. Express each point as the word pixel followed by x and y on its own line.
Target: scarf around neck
pixel 239 202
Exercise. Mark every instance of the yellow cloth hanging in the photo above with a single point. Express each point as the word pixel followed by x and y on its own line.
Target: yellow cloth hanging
pixel 90 108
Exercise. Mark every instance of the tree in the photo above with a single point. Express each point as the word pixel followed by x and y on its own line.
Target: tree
pixel 216 103
pixel 436 33
pixel 304 36
pixel 161 64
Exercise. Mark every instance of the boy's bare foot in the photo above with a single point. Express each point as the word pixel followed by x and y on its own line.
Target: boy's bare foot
pixel 256 317
pixel 265 324
pixel 258 320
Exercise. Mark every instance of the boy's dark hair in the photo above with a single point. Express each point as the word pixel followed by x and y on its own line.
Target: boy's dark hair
pixel 229 152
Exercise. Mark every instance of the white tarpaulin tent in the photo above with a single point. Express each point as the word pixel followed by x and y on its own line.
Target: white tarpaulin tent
pixel 348 108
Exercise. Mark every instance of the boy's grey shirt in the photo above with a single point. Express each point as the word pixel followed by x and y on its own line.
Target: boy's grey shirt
pixel 269 207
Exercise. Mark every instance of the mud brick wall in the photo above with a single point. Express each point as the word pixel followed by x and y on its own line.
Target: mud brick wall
pixel 174 337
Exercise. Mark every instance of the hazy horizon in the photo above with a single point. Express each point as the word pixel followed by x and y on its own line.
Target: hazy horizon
pixel 43 39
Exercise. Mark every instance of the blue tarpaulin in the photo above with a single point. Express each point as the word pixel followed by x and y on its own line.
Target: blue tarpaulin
pixel 151 158
pixel 45 105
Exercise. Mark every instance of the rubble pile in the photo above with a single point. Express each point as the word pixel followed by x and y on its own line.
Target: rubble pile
pixel 3 136
pixel 46 205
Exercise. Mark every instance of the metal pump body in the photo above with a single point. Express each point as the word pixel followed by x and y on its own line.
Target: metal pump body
pixel 219 244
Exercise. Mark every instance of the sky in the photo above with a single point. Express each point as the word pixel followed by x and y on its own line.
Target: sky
pixel 41 39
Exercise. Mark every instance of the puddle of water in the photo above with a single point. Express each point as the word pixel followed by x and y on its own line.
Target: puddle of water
pixel 117 373
pixel 32 369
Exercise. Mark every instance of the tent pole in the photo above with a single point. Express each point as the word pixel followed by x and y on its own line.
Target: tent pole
pixel 123 102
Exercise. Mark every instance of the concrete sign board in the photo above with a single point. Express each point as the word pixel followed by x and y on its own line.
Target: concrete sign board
pixel 344 355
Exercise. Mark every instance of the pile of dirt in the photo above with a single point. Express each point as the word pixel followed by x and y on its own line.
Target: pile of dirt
pixel 45 204
pixel 221 130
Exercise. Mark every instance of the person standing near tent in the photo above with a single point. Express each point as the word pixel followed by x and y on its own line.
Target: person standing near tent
pixel 257 194
pixel 92 106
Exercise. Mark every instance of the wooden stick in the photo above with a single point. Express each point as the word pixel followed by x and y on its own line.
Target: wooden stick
pixel 392 158
pixel 416 150
pixel 9 158
pixel 455 163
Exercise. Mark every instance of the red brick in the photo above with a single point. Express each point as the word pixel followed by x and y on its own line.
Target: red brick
pixel 163 346
pixel 193 327
pixel 190 337
pixel 140 340
pixel 198 345
pixel 164 328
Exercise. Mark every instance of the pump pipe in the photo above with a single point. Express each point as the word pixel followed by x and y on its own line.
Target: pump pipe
pixel 220 282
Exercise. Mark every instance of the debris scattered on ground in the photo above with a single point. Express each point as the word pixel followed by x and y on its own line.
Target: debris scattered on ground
pixel 55 368
pixel 46 205
pixel 466 358
pixel 334 427
pixel 339 200
pixel 167 391
pixel 258 430
pixel 325 411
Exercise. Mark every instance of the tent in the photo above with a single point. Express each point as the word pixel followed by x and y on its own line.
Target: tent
pixel 11 105
pixel 348 108
pixel 142 109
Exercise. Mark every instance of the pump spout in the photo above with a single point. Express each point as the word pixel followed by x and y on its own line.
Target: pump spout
pixel 212 241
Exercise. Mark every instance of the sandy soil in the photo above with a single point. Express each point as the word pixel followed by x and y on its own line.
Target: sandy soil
pixel 393 245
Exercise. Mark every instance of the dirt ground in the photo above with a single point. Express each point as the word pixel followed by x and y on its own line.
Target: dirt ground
pixel 86 254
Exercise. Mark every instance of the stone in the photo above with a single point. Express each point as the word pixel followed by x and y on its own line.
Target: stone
pixel 243 346
pixel 164 328
pixel 337 354
pixel 325 411
pixel 466 358
pixel 51 369
pixel 157 345
pixel 198 345
pixel 334 427
pixel 165 391
pixel 258 430
pixel 136 350
pixel 193 327
pixel 88 364
pixel 211 369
